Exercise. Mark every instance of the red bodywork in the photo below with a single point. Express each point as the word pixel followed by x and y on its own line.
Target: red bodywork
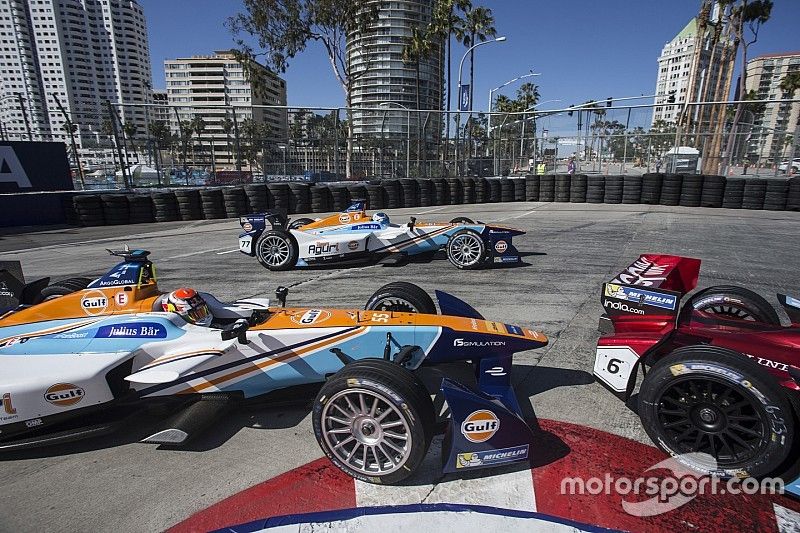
pixel 653 332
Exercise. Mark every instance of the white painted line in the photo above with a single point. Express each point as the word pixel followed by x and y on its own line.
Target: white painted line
pixel 228 252
pixel 431 210
pixel 519 216
pixel 190 254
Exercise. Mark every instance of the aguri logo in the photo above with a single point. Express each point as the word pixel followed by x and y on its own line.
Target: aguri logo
pixel 480 426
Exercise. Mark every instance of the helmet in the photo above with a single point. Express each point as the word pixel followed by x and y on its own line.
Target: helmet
pixel 381 218
pixel 189 305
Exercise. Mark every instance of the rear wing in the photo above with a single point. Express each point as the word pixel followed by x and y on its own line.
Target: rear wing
pixel 666 272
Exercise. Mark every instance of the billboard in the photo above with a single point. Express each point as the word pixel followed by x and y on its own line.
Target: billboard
pixel 27 166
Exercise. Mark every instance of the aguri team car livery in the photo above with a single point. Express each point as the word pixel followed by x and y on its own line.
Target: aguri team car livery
pixel 108 349
pixel 353 235
pixel 722 374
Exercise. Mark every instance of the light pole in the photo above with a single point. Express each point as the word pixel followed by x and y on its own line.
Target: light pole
pixel 460 68
pixel 492 91
pixel 408 133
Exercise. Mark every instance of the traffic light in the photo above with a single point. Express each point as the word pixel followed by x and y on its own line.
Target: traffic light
pixel 671 97
pixel 608 102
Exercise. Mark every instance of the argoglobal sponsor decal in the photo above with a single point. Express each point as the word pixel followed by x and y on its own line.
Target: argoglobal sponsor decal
pixel 312 316
pixel 476 344
pixel 619 306
pixel 480 426
pixel 653 299
pixel 94 303
pixel 64 394
pixel 144 330
pixel 492 457
pixel 642 272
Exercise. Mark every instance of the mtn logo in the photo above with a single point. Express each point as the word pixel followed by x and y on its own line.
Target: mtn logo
pixel 11 170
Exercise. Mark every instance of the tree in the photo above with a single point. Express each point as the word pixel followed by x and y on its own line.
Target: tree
pixel 198 126
pixel 418 47
pixel 159 131
pixel 227 127
pixel 284 28
pixel 790 83
pixel 479 24
pixel 662 136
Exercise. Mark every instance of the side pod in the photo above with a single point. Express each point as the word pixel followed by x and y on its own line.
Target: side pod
pixel 483 432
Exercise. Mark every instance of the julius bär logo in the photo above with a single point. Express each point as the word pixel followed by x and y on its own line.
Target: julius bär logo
pixel 480 426
pixel 64 394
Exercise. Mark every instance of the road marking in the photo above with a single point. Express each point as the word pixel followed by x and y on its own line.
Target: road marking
pixel 190 254
pixel 431 210
pixel 228 252
pixel 519 216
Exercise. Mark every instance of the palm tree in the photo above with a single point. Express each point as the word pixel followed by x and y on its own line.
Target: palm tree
pixel 418 48
pixel 227 127
pixel 479 24
pixel 790 83
pixel 198 126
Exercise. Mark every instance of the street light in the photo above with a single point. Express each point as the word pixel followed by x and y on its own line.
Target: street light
pixel 408 133
pixel 491 95
pixel 460 68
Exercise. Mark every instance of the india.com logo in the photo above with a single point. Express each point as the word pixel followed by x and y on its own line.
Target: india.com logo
pixel 670 485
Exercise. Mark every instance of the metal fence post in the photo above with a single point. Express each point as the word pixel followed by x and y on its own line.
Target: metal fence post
pixel 112 117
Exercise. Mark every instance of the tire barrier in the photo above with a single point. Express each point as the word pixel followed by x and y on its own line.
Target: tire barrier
pixel 631 189
pixel 670 189
pixel 713 191
pixel 774 194
pixel 190 204
pixel 235 202
pixel 577 189
pixel 754 191
pixel 213 203
pixel 532 188
pixel 595 189
pixel 614 187
pixel 562 184
pixel 165 207
pixel 116 210
pixel 734 193
pixel 140 208
pixel 651 188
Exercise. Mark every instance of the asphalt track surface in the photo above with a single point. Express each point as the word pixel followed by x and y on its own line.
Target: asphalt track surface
pixel 116 483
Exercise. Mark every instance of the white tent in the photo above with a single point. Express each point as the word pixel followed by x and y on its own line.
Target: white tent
pixel 140 172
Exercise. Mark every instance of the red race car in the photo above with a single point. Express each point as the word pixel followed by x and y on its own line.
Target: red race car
pixel 721 373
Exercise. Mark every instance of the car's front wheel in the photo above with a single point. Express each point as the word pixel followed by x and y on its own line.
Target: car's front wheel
pixel 277 250
pixel 714 401
pixel 466 250
pixel 375 420
pixel 403 297
pixel 730 302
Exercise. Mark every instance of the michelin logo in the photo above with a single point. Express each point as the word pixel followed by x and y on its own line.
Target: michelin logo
pixel 492 457
pixel 629 294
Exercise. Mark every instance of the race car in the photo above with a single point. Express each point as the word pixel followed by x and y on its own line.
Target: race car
pixel 721 374
pixel 82 361
pixel 352 235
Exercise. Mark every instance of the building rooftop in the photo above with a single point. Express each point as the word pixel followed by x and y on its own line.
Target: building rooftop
pixel 775 55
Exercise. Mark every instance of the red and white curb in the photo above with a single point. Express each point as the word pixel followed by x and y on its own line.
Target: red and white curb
pixel 561 451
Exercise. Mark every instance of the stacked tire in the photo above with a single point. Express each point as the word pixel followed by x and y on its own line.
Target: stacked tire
pixel 733 196
pixel 469 190
pixel 671 189
pixel 793 195
pixel 775 195
pixel 394 194
pixel 578 188
pixel 425 188
pixel 482 190
pixel 651 188
pixel 235 202
pixel 115 209
pixel 455 189
pixel 89 210
pixel 631 189
pixel 299 198
pixel 321 199
pixel 190 204
pixel 410 192
pixel 441 191
pixel 356 192
pixel 376 197
pixel 595 189
pixel 257 197
pixel 340 198
pixel 213 204
pixel 519 189
pixel 140 208
pixel 614 187
pixel 165 207
pixel 713 191
pixel 691 190
pixel 547 188
pixel 506 190
pixel 532 188
pixel 280 196
pixel 754 191
pixel 562 185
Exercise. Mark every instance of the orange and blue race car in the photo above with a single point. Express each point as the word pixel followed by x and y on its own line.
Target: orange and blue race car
pixel 84 359
pixel 352 236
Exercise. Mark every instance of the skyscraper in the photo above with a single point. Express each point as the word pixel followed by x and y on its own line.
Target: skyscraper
pixel 76 53
pixel 379 74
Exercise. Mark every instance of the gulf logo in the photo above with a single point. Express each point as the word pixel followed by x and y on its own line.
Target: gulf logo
pixel 64 394
pixel 344 218
pixel 480 426
pixel 501 246
pixel 311 316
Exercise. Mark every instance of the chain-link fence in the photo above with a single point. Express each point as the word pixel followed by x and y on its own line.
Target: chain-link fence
pixel 125 146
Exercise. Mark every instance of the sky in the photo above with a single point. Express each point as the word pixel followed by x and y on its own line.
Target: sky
pixel 584 49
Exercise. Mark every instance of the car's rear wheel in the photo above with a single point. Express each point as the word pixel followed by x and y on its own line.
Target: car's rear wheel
pixel 277 250
pixel 462 220
pixel 62 288
pixel 733 303
pixel 403 297
pixel 466 250
pixel 714 401
pixel 299 223
pixel 374 420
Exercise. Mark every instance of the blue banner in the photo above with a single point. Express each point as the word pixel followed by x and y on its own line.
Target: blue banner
pixel 464 103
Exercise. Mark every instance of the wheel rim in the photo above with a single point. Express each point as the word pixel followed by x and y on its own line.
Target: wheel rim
pixel 465 249
pixel 733 312
pixel 274 250
pixel 366 432
pixel 709 415
pixel 395 303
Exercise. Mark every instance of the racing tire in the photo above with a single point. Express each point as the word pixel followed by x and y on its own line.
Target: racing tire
pixel 62 288
pixel 459 220
pixel 466 250
pixel 299 223
pixel 383 449
pixel 687 401
pixel 277 250
pixel 403 297
pixel 733 303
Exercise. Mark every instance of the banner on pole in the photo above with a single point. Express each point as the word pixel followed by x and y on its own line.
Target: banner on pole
pixel 464 103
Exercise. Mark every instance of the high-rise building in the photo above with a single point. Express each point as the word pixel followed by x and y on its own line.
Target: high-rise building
pixel 773 125
pixel 161 111
pixel 215 88
pixel 680 69
pixel 76 55
pixel 379 74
